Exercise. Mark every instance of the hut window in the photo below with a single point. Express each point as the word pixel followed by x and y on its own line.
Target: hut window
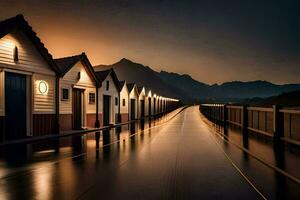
pixel 124 104
pixel 116 101
pixel 16 54
pixel 65 94
pixel 92 98
pixel 107 85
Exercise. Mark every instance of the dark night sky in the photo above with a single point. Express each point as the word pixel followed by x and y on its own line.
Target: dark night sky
pixel 213 41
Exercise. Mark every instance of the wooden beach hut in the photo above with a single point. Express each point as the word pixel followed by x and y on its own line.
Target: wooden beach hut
pixel 124 95
pixel 148 99
pixel 141 102
pixel 133 101
pixel 108 97
pixel 77 93
pixel 28 83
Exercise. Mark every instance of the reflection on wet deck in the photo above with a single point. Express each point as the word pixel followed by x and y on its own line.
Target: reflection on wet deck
pixel 21 157
pixel 282 155
pixel 180 159
pixel 38 166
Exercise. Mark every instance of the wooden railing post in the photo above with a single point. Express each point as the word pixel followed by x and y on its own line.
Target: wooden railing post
pixel 244 115
pixel 245 124
pixel 220 114
pixel 225 115
pixel 278 122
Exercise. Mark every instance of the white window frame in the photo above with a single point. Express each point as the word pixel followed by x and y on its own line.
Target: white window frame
pixel 92 103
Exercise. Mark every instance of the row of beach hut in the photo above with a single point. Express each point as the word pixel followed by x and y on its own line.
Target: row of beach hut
pixel 40 95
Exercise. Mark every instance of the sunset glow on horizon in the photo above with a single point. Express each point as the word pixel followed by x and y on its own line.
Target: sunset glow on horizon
pixel 211 43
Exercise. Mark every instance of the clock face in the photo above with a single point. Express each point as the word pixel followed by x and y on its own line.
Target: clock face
pixel 43 87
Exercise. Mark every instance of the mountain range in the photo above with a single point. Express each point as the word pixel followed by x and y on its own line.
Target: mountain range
pixel 286 99
pixel 186 88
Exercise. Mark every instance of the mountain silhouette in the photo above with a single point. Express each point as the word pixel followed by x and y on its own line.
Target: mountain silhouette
pixel 286 99
pixel 186 88
pixel 143 76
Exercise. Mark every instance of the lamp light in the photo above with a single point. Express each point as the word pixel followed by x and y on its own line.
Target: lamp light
pixel 43 87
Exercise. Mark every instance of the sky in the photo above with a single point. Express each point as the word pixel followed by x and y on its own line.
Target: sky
pixel 214 41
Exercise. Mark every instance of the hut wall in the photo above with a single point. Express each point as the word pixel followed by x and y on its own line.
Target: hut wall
pixel 70 81
pixel 124 96
pixel 113 93
pixel 40 107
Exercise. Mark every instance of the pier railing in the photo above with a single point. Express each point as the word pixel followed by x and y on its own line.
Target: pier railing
pixel 277 122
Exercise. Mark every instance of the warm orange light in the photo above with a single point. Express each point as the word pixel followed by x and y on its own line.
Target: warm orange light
pixel 42 87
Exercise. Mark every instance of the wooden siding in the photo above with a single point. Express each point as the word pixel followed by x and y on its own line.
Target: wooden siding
pixel 43 124
pixel 31 62
pixel 113 93
pixel 69 81
pixel 90 120
pixel 124 117
pixel 71 76
pixel 65 106
pixel 90 108
pixel 44 104
pixel 29 58
pixel 149 95
pixel 124 95
pixel 157 104
pixel 142 96
pixel 65 122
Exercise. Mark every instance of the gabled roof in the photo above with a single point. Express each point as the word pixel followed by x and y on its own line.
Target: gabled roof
pixel 18 23
pixel 66 63
pixel 140 89
pixel 102 75
pixel 122 83
pixel 147 91
pixel 132 86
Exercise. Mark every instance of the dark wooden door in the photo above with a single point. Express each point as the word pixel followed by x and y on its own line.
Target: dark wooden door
pixel 106 109
pixel 77 109
pixel 132 109
pixel 142 108
pixel 15 106
pixel 158 106
pixel 149 106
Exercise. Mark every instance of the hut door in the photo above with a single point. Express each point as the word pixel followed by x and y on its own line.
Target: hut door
pixel 142 108
pixel 149 106
pixel 106 109
pixel 77 109
pixel 15 106
pixel 132 109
